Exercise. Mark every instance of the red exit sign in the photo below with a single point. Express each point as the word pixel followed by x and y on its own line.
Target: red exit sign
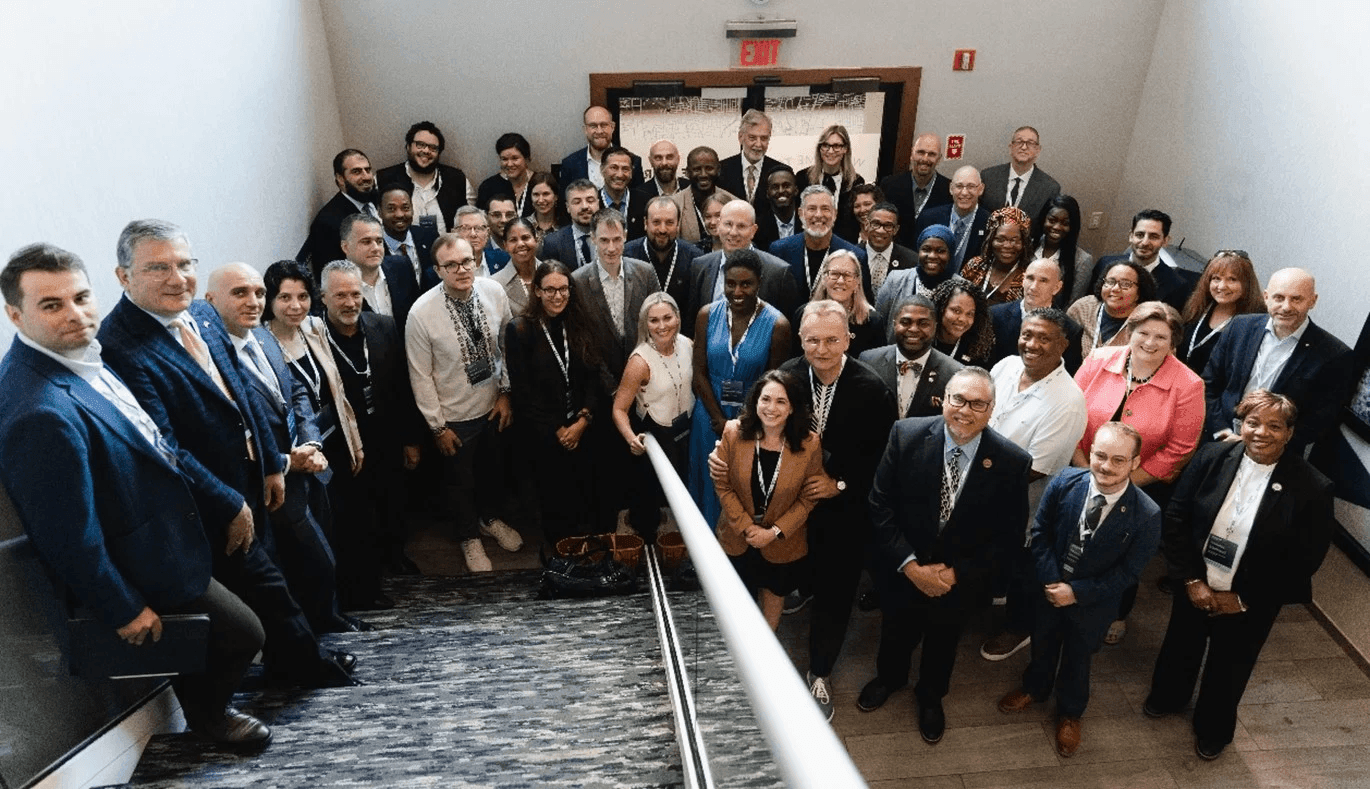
pixel 759 53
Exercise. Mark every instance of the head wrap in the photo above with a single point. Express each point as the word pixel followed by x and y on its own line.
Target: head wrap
pixel 937 231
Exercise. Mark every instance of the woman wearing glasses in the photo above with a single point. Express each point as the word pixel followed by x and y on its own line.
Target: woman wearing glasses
pixel 1102 315
pixel 1142 384
pixel 832 167
pixel 552 382
pixel 771 454
pixel 998 270
pixel 840 280
pixel 1227 288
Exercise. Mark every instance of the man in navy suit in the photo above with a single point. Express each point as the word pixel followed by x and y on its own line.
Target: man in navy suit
pixel 1093 534
pixel 402 236
pixel 1150 235
pixel 662 247
pixel 1284 352
pixel 963 215
pixel 356 193
pixel 805 252
pixel 736 228
pixel 1041 283
pixel 104 496
pixel 585 162
pixel 300 549
pixel 921 188
pixel 947 507
pixel 388 281
pixel 176 362
pixel 571 244
pixel 473 225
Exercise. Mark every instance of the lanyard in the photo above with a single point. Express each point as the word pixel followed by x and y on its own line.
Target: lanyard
pixel 823 395
pixel 990 293
pixel 522 197
pixel 670 272
pixel 366 354
pixel 563 362
pixel 768 489
pixel 1194 341
pixel 733 349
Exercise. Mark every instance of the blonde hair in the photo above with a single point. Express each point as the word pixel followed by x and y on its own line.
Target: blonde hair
pixel 860 308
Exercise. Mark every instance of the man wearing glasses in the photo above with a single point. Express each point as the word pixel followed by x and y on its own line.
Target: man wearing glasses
pixel 1018 182
pixel 1146 246
pixel 585 162
pixel 947 508
pixel 473 227
pixel 883 253
pixel 438 189
pixel 455 346
pixel 965 217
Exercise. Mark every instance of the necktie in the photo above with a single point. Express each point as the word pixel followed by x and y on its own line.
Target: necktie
pixel 1076 549
pixel 751 182
pixel 830 182
pixel 200 353
pixel 1013 195
pixel 879 268
pixel 584 250
pixel 1092 513
pixel 906 365
pixel 951 480
pixel 259 367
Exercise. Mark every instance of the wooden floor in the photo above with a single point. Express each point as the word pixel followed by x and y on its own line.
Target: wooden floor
pixel 1304 721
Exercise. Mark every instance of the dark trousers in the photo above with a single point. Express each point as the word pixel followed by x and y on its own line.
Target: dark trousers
pixel 302 550
pixel 1023 594
pixel 1233 643
pixel 613 464
pixel 563 480
pixel 459 478
pixel 938 627
pixel 1061 656
pixel 235 635
pixel 836 556
pixel 645 498
pixel 291 646
pixel 358 502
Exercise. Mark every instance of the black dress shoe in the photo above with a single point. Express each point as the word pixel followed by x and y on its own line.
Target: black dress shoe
pixel 352 624
pixel 323 673
pixel 1150 710
pixel 400 564
pixel 346 660
pixel 868 601
pixel 235 730
pixel 932 722
pixel 1208 751
pixel 874 695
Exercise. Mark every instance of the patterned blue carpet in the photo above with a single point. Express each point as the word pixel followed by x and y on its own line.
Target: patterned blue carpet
pixel 476 683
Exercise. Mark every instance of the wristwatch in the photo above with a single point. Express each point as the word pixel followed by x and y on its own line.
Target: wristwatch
pixel 841 486
pixel 779 535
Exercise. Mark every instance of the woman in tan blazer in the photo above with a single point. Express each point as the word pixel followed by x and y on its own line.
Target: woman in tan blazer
pixel 770 453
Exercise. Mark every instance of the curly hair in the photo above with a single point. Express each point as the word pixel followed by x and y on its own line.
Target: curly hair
pixel 978 341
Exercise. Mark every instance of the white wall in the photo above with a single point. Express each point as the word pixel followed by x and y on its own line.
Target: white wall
pixel 1254 136
pixel 215 116
pixel 1075 70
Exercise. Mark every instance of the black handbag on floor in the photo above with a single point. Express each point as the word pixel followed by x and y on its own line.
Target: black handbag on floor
pixel 593 573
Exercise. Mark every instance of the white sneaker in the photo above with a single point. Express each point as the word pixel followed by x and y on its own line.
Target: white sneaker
pixel 668 523
pixel 623 526
pixel 818 686
pixel 503 533
pixel 476 560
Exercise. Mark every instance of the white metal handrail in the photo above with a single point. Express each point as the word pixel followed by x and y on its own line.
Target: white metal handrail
pixel 806 749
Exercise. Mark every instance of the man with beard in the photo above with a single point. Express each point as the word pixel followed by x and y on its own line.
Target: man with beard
pixel 665 159
pixel 782 212
pixel 356 194
pixel 438 189
pixel 914 371
pixel 663 248
pixel 571 244
pixel 388 282
pixel 702 168
pixel 402 236
pixel 585 163
pixel 616 165
pixel 805 252
pixel 922 187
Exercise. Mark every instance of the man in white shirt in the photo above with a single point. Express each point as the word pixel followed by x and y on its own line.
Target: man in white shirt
pixel 455 346
pixel 438 189
pixel 666 180
pixel 1019 182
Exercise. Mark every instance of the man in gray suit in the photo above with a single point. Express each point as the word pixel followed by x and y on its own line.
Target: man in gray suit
pixel 1018 182
pixel 915 371
pixel 610 292
pixel 736 228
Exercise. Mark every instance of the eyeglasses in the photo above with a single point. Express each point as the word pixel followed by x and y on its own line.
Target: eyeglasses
pixel 876 224
pixel 832 146
pixel 163 270
pixel 468 264
pixel 1025 144
pixel 840 276
pixel 1120 284
pixel 562 291
pixel 425 146
pixel 468 229
pixel 978 406
pixel 1232 253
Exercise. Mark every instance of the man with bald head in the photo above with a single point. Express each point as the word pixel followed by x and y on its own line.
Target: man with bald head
pixel 1041 283
pixel 702 167
pixel 300 547
pixel 585 163
pixel 1284 352
pixel 922 187
pixel 665 160
pixel 736 229
pixel 964 216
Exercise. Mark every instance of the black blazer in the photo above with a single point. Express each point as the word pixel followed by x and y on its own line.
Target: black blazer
pixel 561 245
pixel 985 527
pixel 941 215
pixel 678 285
pixel 927 398
pixel 733 178
pixel 1173 285
pixel 1319 377
pixel 404 289
pixel 636 215
pixel 858 423
pixel 398 422
pixel 451 192
pixel 575 166
pixel 652 189
pixel 1289 538
pixel 1039 190
pixel 541 398
pixel 1007 322
pixel 323 245
pixel 423 238
pixel 777 286
pixel 766 231
pixel 497 184
pixel 899 189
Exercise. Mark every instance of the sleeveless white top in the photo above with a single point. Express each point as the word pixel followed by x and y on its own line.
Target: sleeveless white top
pixel 668 393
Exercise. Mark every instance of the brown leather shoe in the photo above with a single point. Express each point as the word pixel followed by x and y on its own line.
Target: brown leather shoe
pixel 1068 736
pixel 1015 701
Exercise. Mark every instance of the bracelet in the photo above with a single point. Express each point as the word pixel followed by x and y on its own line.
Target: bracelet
pixel 1191 582
pixel 437 431
pixel 585 414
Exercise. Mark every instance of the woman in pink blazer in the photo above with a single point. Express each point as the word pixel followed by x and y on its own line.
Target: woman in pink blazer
pixel 1144 385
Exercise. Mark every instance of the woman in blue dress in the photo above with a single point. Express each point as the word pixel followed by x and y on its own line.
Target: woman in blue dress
pixel 737 338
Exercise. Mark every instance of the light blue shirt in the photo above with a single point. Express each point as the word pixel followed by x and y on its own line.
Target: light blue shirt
pixel 1273 355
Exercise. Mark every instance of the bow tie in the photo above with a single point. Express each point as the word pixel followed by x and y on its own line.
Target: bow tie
pixel 906 366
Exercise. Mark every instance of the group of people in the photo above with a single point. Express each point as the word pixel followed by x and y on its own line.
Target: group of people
pixel 925 379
